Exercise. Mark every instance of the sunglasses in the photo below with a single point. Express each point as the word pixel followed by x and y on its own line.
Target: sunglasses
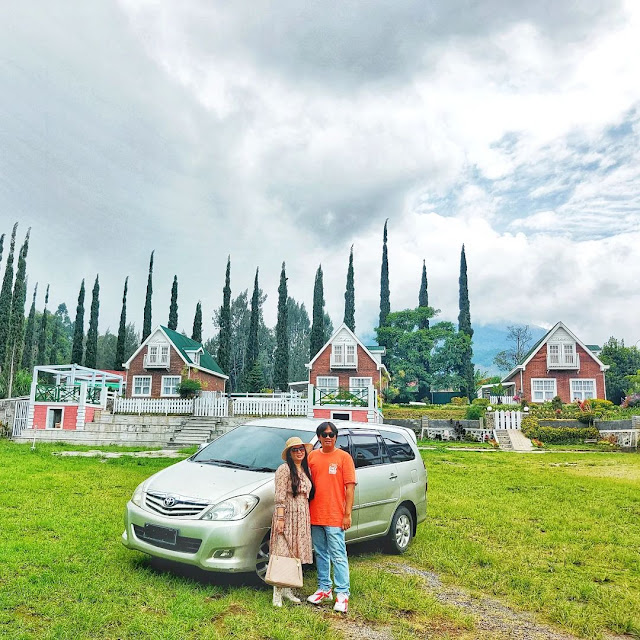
pixel 328 434
pixel 297 449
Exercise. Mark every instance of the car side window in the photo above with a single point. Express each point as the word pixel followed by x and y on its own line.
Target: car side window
pixel 399 449
pixel 341 443
pixel 366 450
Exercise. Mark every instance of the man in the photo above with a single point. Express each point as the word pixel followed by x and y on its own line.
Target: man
pixel 334 476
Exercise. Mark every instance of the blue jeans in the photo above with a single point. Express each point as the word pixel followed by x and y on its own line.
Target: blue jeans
pixel 330 547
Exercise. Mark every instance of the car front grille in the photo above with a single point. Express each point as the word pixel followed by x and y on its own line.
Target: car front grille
pixel 178 507
pixel 184 544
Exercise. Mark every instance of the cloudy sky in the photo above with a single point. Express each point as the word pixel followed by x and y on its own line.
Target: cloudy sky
pixel 292 130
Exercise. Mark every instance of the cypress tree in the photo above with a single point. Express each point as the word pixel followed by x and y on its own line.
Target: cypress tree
pixel 56 328
pixel 15 344
pixel 196 334
pixel 317 337
pixel 385 304
pixel 251 356
pixel 42 337
pixel 224 337
pixel 173 307
pixel 122 330
pixel 281 364
pixel 78 329
pixel 5 297
pixel 350 297
pixel 1 246
pixel 29 334
pixel 91 355
pixel 464 326
pixel 146 323
pixel 423 296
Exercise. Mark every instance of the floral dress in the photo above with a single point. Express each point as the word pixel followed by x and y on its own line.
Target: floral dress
pixel 297 524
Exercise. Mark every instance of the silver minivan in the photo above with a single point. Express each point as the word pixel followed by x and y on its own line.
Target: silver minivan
pixel 213 510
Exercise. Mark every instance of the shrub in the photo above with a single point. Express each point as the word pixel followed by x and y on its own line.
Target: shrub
pixel 482 402
pixel 459 401
pixel 561 435
pixel 529 425
pixel 189 388
pixel 474 412
pixel 556 403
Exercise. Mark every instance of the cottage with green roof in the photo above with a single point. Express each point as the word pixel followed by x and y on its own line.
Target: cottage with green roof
pixel 166 358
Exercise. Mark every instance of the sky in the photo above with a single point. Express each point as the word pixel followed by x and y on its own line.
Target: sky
pixel 291 131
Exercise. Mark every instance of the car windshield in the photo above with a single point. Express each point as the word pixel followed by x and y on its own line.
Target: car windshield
pixel 250 447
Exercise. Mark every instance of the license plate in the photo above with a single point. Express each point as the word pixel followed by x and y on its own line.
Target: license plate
pixel 160 534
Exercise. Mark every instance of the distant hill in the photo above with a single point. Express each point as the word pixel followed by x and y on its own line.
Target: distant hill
pixel 489 339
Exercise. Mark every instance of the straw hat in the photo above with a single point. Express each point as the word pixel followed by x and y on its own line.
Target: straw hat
pixel 294 442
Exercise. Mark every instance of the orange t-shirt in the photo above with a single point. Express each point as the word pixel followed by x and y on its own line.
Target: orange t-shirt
pixel 331 472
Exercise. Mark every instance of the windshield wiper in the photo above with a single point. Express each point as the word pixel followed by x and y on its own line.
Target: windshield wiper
pixel 263 469
pixel 226 463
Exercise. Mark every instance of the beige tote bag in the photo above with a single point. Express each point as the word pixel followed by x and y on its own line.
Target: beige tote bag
pixel 284 571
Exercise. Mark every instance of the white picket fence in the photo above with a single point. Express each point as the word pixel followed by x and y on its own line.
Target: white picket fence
pixel 502 400
pixel 216 405
pixel 507 419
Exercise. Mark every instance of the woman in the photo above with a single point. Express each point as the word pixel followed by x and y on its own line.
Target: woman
pixel 294 489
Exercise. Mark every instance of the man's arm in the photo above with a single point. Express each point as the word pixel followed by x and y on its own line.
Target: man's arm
pixel 349 493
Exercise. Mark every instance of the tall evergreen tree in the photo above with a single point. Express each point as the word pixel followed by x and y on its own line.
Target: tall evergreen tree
pixel 42 336
pixel 317 338
pixel 1 246
pixel 224 336
pixel 5 297
pixel 298 331
pixel 29 334
pixel 464 326
pixel 252 339
pixel 385 304
pixel 196 333
pixel 78 329
pixel 350 297
pixel 122 330
pixel 15 343
pixel 146 323
pixel 173 307
pixel 423 296
pixel 281 365
pixel 91 354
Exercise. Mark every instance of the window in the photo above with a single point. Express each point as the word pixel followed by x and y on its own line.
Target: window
pixel 583 389
pixel 399 449
pixel 153 354
pixel 164 354
pixel 141 385
pixel 340 415
pixel 562 355
pixel 366 449
pixel 359 383
pixel 327 382
pixel 170 385
pixel 344 354
pixel 350 357
pixel 543 389
pixel 338 354
pixel 157 355
pixel 554 354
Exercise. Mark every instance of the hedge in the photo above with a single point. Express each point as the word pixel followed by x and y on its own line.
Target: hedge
pixel 561 435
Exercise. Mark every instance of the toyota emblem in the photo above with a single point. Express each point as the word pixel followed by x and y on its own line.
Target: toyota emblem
pixel 169 501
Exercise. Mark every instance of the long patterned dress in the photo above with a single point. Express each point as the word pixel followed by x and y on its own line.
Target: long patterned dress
pixel 297 525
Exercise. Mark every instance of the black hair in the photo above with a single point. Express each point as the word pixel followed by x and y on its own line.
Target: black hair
pixel 295 478
pixel 323 425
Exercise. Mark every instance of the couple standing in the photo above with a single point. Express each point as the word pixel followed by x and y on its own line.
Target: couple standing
pixel 313 501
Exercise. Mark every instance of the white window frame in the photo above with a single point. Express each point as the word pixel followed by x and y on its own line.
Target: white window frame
pixel 175 393
pixel 369 382
pixel 342 413
pixel 350 358
pixel 164 354
pixel 322 384
pixel 337 354
pixel 50 410
pixel 134 385
pixel 543 391
pixel 554 358
pixel 579 395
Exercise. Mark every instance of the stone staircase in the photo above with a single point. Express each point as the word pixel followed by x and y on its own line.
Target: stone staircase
pixel 502 436
pixel 513 440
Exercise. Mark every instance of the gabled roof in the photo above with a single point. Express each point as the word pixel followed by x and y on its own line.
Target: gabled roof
pixel 342 327
pixel 184 345
pixel 545 338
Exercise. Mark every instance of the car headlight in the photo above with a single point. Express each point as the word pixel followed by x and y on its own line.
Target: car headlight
pixel 138 494
pixel 231 509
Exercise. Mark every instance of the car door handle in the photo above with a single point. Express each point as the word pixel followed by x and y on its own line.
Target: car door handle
pixel 393 476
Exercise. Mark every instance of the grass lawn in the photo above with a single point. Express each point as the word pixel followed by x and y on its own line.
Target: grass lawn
pixel 554 533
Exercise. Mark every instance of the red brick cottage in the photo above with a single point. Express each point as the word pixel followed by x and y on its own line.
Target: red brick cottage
pixel 164 359
pixel 559 365
pixel 345 378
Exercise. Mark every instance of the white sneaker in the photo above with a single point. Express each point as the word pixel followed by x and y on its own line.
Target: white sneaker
pixel 289 595
pixel 320 596
pixel 342 603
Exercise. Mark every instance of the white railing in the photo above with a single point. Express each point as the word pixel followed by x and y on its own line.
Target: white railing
pixel 503 400
pixel 20 418
pixel 563 361
pixel 210 404
pixel 507 419
pixel 273 406
pixel 152 405
pixel 623 438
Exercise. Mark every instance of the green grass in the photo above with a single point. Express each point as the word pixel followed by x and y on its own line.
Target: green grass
pixel 454 444
pixel 554 533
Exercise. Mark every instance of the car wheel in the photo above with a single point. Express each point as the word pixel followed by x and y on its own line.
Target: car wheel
pixel 262 557
pixel 400 531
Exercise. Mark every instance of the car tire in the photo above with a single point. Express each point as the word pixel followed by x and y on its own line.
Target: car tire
pixel 400 531
pixel 262 557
